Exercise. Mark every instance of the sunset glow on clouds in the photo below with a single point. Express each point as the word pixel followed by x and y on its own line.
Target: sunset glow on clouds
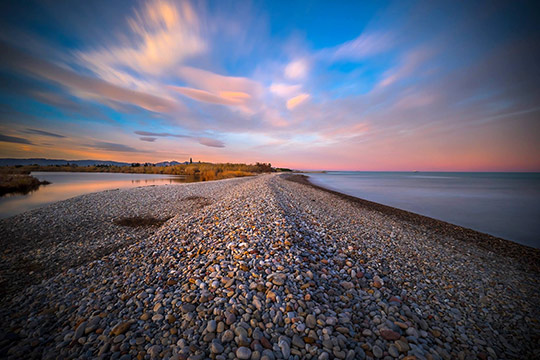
pixel 352 86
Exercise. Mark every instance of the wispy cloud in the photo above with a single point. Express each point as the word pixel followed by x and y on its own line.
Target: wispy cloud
pixel 297 100
pixel 205 96
pixel 42 132
pixel 366 44
pixel 108 146
pixel 163 34
pixel 211 142
pixel 285 90
pixel 410 62
pixel 297 69
pixel 14 139
pixel 81 86
pixel 203 140
pixel 148 138
pixel 162 134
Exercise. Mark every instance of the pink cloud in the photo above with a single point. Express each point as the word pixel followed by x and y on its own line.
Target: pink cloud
pixel 211 142
pixel 217 83
pixel 205 96
pixel 297 100
pixel 285 90
pixel 297 69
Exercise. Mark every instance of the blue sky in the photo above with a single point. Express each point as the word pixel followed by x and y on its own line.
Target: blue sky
pixel 376 85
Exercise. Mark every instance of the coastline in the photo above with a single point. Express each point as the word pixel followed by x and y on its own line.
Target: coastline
pixel 266 268
pixel 502 247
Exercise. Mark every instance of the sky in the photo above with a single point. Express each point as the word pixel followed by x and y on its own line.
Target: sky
pixel 340 85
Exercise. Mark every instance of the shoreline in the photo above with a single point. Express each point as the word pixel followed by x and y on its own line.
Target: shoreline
pixel 263 268
pixel 485 241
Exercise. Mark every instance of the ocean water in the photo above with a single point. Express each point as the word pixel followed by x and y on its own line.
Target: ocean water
pixel 506 205
pixel 65 185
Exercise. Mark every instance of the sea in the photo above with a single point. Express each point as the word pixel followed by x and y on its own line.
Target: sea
pixel 506 205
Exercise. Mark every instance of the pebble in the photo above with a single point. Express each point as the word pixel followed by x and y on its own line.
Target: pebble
pixel 311 321
pixel 211 326
pixel 243 352
pixel 154 351
pixel 393 351
pixel 377 352
pixel 298 342
pixel 216 347
pixel 285 348
pixel 388 334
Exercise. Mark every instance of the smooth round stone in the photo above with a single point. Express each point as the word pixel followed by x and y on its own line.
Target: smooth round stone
pixel 324 356
pixel 230 318
pixel 243 353
pixel 393 351
pixel 216 347
pixel 220 327
pixel 377 352
pixel 402 346
pixel 154 351
pixel 227 336
pixel 311 321
pixel 298 342
pixel 285 348
pixel 211 326
pixel 119 338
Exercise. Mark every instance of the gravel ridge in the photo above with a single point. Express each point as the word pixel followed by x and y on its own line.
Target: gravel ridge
pixel 273 269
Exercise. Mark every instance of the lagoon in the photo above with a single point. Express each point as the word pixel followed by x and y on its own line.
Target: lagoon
pixel 65 185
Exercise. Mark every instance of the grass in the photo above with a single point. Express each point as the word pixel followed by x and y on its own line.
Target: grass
pixel 140 221
pixel 217 174
pixel 204 171
pixel 19 184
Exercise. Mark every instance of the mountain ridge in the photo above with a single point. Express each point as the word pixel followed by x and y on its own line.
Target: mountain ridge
pixel 45 162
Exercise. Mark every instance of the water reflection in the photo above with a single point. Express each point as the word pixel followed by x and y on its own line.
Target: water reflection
pixel 65 185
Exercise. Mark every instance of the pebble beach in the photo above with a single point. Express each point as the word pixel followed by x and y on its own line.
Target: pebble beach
pixel 265 267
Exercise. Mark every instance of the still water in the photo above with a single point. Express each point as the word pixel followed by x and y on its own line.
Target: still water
pixel 506 205
pixel 65 185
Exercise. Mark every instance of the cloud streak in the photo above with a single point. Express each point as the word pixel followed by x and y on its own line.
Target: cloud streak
pixel 163 33
pixel 108 146
pixel 206 141
pixel 42 132
pixel 81 86
pixel 148 138
pixel 365 45
pixel 14 139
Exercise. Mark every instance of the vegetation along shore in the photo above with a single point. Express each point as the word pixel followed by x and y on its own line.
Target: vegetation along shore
pixel 16 178
pixel 19 183
pixel 262 267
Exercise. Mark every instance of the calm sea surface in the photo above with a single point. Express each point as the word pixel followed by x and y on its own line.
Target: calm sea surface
pixel 506 205
pixel 65 185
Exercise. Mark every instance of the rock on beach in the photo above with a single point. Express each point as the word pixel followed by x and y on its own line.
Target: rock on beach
pixel 264 267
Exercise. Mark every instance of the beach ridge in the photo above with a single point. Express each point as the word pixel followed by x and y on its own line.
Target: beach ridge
pixel 267 268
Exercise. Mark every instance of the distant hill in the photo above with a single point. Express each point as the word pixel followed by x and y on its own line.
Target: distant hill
pixel 45 162
pixel 10 162
pixel 171 163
